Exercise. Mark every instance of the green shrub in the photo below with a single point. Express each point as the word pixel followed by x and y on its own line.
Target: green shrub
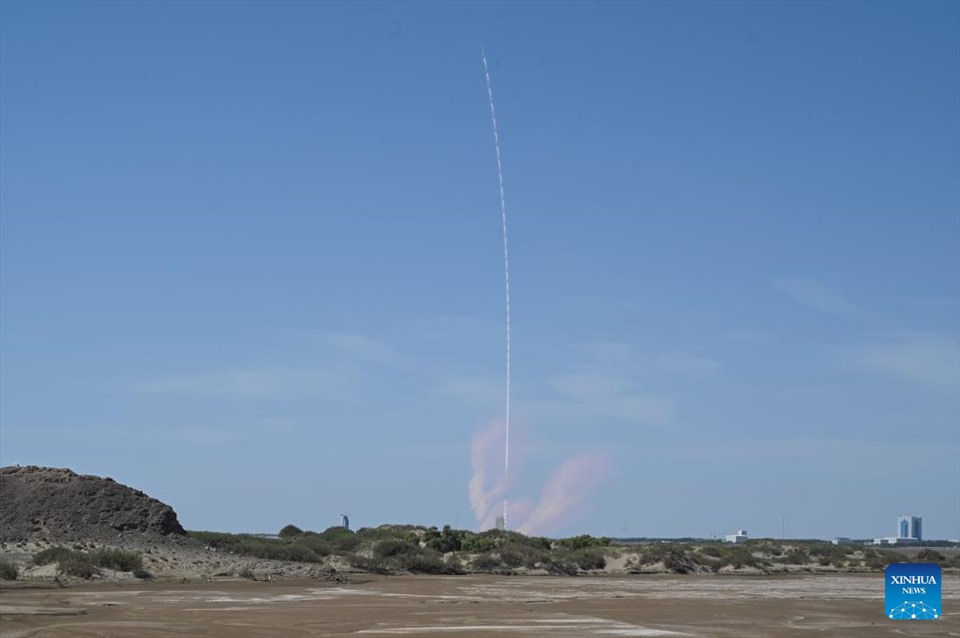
pixel 246 545
pixel 795 556
pixel 449 540
pixel 290 531
pixel 337 533
pixel 78 566
pixel 392 547
pixel 713 551
pixel 583 541
pixel 478 543
pixel 485 563
pixel 561 566
pixel 738 558
pixel 54 555
pixel 674 562
pixel 8 571
pixel 293 553
pixel 928 555
pixel 427 563
pixel 371 565
pixel 588 558
pixel 315 543
pixel 117 559
pixel 219 540
pixel 142 574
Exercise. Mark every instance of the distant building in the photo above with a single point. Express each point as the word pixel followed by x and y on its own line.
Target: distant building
pixel 739 537
pixel 910 527
pixel 842 540
pixel 893 540
pixel 501 522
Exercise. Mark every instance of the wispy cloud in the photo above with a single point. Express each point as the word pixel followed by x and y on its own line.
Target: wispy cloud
pixel 606 351
pixel 588 386
pixel 482 390
pixel 686 365
pixel 588 398
pixel 932 302
pixel 930 360
pixel 255 383
pixel 815 295
pixel 632 408
pixel 357 345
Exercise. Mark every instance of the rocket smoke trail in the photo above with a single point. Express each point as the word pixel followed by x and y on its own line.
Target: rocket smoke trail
pixel 506 270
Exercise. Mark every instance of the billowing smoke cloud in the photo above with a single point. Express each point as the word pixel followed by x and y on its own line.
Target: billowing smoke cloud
pixel 488 482
pixel 567 487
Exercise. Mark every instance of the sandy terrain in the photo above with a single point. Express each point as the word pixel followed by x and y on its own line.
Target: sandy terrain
pixel 821 605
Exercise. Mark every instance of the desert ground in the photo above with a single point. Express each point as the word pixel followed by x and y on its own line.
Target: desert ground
pixel 703 606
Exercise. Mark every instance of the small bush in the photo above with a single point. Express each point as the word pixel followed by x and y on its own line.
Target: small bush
pixel 738 558
pixel 449 540
pixel 8 571
pixel 795 557
pixel 427 564
pixel 485 563
pixel 875 562
pixel 560 566
pixel 293 553
pixel 589 558
pixel 371 565
pixel 78 566
pixel 315 543
pixel 340 538
pixel 930 556
pixel 290 531
pixel 392 547
pixel 583 541
pixel 117 559
pixel 142 574
pixel 54 555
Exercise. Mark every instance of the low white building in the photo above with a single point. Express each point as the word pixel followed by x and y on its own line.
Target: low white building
pixel 893 540
pixel 842 540
pixel 739 537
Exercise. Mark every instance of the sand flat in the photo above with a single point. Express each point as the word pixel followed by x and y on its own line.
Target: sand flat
pixel 476 606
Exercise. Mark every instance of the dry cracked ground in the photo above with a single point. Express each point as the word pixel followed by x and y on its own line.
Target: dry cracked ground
pixel 741 607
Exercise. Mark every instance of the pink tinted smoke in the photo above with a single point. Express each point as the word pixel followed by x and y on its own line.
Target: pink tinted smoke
pixel 488 481
pixel 565 490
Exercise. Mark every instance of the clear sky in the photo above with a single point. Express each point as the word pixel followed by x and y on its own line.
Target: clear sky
pixel 252 264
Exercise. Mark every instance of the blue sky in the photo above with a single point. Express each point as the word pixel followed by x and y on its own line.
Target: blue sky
pixel 251 259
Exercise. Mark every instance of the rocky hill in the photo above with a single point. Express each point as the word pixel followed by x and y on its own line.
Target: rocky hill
pixel 59 506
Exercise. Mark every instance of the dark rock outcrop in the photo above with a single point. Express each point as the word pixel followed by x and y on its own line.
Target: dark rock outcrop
pixel 57 505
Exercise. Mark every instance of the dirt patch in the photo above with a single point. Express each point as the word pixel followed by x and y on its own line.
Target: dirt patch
pixel 473 606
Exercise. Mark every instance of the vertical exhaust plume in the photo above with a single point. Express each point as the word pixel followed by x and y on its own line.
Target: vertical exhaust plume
pixel 506 270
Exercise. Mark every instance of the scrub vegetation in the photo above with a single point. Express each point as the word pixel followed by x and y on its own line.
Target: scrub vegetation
pixel 393 549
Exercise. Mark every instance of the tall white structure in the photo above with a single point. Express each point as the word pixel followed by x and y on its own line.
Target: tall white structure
pixel 739 537
pixel 909 526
